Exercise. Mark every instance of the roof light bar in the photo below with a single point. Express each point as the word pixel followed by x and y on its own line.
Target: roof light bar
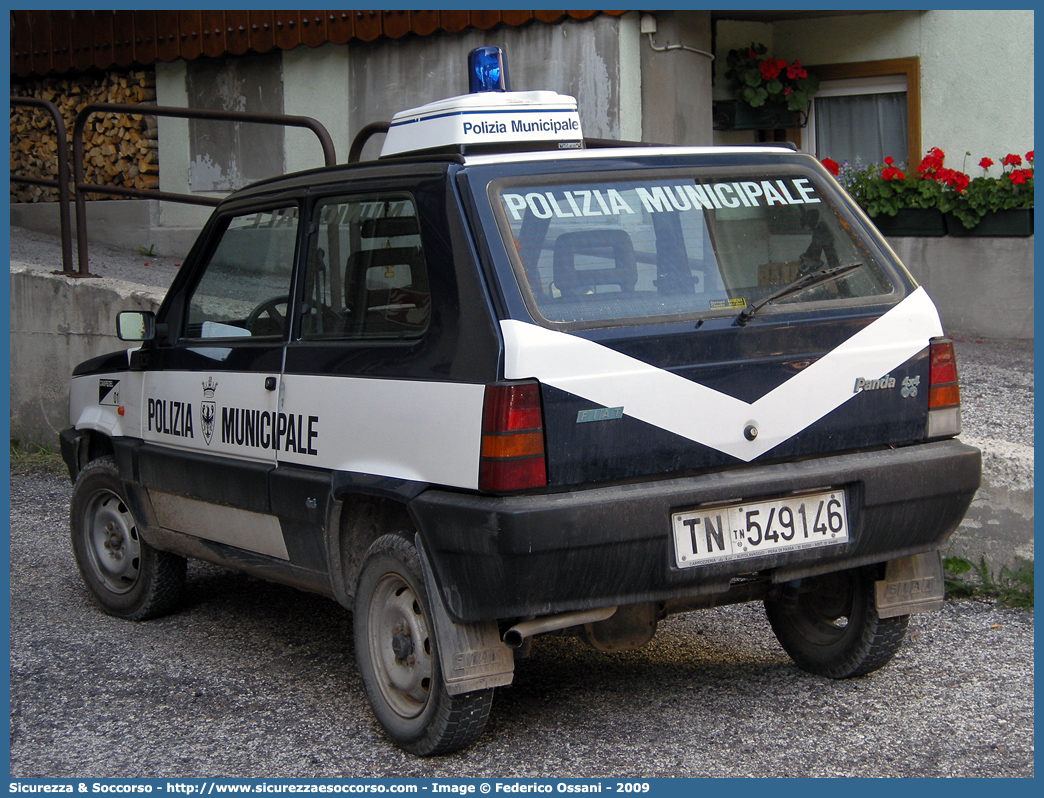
pixel 487 70
pixel 490 119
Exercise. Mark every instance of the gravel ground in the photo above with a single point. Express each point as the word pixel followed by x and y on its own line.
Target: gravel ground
pixel 252 679
pixel 996 389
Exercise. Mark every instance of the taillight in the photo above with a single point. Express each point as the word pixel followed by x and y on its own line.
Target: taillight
pixel 512 438
pixel 944 395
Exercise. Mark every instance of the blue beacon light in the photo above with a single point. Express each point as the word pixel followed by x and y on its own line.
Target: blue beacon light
pixel 487 70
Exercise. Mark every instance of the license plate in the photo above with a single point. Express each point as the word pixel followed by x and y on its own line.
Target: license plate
pixel 740 531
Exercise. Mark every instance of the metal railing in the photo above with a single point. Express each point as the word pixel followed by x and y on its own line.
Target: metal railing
pixel 82 187
pixel 62 183
pixel 180 113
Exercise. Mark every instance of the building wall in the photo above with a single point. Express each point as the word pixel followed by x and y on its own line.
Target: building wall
pixel 581 59
pixel 976 69
pixel 676 102
pixel 315 85
pixel 347 86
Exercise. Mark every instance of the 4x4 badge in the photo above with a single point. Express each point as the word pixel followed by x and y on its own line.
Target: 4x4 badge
pixel 207 409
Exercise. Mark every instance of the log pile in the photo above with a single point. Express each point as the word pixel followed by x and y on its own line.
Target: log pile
pixel 118 150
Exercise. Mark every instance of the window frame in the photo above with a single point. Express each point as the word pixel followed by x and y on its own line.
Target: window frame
pixel 910 68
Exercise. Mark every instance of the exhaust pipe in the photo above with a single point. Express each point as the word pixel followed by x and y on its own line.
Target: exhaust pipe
pixel 517 634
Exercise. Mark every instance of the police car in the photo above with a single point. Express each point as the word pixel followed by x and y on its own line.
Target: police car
pixel 505 381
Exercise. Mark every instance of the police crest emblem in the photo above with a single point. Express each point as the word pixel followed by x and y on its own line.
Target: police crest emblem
pixel 208 409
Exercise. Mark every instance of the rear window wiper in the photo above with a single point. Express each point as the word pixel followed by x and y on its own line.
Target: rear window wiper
pixel 800 284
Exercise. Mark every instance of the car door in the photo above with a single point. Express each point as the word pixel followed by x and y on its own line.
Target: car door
pixel 388 359
pixel 210 421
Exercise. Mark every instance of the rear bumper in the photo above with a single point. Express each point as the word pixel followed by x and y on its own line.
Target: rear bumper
pixel 508 557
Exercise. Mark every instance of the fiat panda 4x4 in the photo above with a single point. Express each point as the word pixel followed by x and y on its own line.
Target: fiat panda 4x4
pixel 505 381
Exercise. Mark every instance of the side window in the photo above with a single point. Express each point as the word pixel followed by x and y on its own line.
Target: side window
pixel 245 285
pixel 366 276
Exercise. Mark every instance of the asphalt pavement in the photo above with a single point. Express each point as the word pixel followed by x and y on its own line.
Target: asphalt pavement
pixel 256 680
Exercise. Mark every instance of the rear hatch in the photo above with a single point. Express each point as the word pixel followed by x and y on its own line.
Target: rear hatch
pixel 692 312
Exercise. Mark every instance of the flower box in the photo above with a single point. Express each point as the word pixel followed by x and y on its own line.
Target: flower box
pixel 1011 222
pixel 738 115
pixel 921 222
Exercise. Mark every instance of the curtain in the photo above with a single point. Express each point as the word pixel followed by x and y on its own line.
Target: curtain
pixel 861 128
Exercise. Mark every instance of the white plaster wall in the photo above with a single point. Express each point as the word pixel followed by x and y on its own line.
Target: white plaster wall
pixel 315 84
pixel 977 84
pixel 976 69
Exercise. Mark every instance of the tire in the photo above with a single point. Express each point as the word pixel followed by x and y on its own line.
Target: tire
pixel 830 626
pixel 124 574
pixel 397 653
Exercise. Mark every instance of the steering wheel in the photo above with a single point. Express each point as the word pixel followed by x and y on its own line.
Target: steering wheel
pixel 267 317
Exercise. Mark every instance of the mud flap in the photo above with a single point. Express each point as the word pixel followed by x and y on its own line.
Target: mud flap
pixel 911 584
pixel 472 655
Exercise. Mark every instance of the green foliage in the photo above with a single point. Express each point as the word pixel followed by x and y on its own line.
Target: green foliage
pixel 1009 587
pixel 990 194
pixel 757 79
pixel 887 189
pixel 880 195
pixel 149 251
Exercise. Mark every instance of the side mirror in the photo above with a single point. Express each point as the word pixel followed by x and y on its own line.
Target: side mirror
pixel 136 325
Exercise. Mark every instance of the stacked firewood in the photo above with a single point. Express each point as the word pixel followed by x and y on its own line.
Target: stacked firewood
pixel 118 150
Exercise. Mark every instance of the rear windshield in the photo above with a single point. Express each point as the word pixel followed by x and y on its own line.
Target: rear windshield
pixel 597 249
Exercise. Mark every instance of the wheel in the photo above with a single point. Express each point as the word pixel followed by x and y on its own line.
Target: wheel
pixel 266 319
pixel 398 658
pixel 124 574
pixel 830 626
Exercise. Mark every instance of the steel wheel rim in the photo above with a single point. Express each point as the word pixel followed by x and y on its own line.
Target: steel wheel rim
pixel 111 540
pixel 400 646
pixel 824 614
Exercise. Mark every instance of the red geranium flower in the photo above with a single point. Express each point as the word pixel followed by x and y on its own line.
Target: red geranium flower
pixel 1020 176
pixel 769 69
pixel 831 166
pixel 751 55
pixel 932 162
pixel 891 173
pixel 986 163
pixel 1029 156
pixel 958 181
pixel 796 72
pixel 889 160
pixel 1011 159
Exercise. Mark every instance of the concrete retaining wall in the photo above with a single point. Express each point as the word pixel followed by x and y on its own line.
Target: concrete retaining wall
pixel 124 224
pixel 57 322
pixel 982 286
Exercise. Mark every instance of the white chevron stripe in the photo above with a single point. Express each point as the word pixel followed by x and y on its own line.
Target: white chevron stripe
pixel 701 414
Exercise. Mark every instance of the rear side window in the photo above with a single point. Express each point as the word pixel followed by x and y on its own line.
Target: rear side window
pixel 366 277
pixel 592 252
